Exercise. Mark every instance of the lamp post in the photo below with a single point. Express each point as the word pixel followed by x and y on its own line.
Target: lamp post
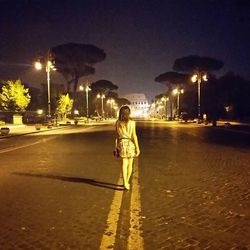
pixel 165 99
pixel 153 105
pixel 49 67
pixel 198 77
pixel 110 102
pixel 101 96
pixel 87 89
pixel 178 92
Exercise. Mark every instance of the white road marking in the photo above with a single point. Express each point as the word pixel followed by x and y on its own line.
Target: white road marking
pixel 135 240
pixel 108 238
pixel 26 145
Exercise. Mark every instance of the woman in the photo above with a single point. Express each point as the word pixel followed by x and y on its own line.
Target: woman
pixel 126 143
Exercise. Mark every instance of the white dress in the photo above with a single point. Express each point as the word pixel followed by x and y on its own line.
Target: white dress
pixel 124 142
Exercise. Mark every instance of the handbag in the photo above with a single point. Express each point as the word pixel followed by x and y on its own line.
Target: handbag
pixel 116 153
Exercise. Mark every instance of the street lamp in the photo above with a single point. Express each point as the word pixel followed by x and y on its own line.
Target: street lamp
pixel 153 105
pixel 87 89
pixel 178 92
pixel 198 77
pixel 165 99
pixel 111 102
pixel 49 67
pixel 101 96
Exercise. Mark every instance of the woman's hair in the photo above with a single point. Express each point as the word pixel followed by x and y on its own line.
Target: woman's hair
pixel 124 114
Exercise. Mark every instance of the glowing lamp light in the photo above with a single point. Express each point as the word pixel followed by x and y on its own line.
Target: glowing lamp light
pixel 39 111
pixel 38 66
pixel 204 77
pixel 194 78
pixel 175 91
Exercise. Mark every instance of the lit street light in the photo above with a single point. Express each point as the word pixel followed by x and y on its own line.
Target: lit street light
pixel 101 96
pixel 178 92
pixel 49 67
pixel 153 106
pixel 39 111
pixel 165 100
pixel 87 89
pixel 111 102
pixel 198 77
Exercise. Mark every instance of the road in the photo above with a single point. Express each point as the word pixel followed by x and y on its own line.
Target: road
pixel 63 190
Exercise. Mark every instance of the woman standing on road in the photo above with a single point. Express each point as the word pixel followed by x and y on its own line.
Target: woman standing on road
pixel 126 143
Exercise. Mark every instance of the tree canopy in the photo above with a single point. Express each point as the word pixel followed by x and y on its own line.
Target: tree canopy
pixel 74 60
pixel 64 105
pixel 172 78
pixel 192 63
pixel 103 86
pixel 14 97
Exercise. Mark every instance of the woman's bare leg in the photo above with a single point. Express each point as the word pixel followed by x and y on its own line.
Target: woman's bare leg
pixel 130 168
pixel 125 171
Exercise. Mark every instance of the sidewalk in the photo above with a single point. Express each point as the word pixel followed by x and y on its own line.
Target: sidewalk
pixel 16 130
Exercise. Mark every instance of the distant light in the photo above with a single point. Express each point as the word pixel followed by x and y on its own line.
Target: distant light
pixel 76 112
pixel 204 77
pixel 194 78
pixel 81 88
pixel 39 111
pixel 175 91
pixel 87 88
pixel 182 91
pixel 98 96
pixel 38 66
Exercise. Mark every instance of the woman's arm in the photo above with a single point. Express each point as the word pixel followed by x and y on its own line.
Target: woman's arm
pixel 135 140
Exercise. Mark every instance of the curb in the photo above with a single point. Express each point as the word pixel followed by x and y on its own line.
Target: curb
pixel 32 132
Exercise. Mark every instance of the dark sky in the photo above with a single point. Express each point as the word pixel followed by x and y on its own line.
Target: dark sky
pixel 141 38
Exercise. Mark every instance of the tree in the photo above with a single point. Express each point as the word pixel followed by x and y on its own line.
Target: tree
pixel 74 60
pixel 64 105
pixel 122 101
pixel 14 97
pixel 103 86
pixel 172 80
pixel 171 77
pixel 199 66
pixel 197 63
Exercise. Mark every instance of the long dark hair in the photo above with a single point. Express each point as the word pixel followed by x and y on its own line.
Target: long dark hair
pixel 124 114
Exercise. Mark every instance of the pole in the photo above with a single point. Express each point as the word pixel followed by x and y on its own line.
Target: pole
pixel 166 106
pixel 87 101
pixel 48 82
pixel 199 97
pixel 178 104
pixel 102 107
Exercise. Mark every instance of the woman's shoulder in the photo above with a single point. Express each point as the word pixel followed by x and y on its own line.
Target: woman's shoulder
pixel 132 122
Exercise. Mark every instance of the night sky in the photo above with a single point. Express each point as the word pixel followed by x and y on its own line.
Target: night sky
pixel 141 38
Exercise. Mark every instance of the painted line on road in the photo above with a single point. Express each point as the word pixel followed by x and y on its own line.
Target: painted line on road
pixel 135 240
pixel 108 238
pixel 25 146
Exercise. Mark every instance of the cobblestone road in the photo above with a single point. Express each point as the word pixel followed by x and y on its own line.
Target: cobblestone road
pixel 193 185
pixel 195 189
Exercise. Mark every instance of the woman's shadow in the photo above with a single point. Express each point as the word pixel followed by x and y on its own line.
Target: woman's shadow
pixel 92 182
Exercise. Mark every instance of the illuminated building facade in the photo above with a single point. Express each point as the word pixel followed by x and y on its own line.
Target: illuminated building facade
pixel 138 104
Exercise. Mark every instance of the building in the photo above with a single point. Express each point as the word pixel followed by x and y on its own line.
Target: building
pixel 138 104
